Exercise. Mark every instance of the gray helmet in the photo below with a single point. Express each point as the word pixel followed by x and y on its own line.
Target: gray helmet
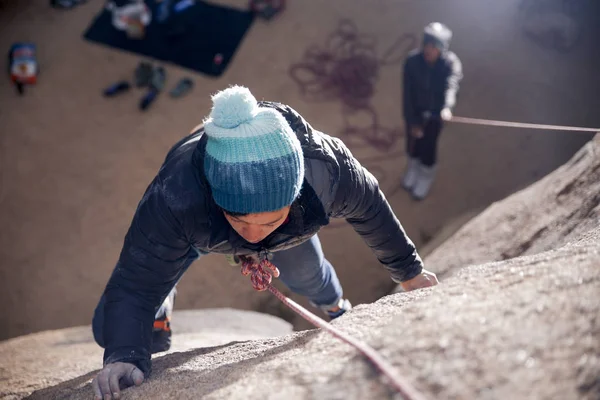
pixel 437 34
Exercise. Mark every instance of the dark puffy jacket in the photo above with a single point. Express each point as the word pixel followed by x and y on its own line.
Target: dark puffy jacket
pixel 177 219
pixel 429 88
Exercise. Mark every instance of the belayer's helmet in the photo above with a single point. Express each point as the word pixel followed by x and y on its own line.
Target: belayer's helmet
pixel 437 34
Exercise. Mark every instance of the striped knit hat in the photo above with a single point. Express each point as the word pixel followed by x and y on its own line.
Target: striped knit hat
pixel 253 160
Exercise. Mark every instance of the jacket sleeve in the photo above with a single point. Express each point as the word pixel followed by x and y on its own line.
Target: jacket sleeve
pixel 408 96
pixel 154 256
pixel 452 81
pixel 359 200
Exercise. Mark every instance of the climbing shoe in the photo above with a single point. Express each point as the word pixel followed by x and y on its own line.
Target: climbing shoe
pixel 339 310
pixel 161 331
pixel 161 335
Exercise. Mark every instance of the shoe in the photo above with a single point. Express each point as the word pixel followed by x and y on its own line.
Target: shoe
pixel 66 4
pixel 182 88
pixel 161 335
pixel 157 83
pixel 343 306
pixel 158 78
pixel 424 181
pixel 161 331
pixel 411 174
pixel 116 88
pixel 143 74
pixel 148 99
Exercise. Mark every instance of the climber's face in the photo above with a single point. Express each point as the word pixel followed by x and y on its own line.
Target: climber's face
pixel 255 227
pixel 431 53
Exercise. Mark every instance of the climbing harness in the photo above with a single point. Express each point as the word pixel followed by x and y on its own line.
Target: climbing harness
pixel 261 273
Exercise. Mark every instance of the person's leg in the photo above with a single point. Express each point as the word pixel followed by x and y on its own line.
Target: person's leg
pixel 412 165
pixel 428 150
pixel 161 335
pixel 305 271
pixel 427 158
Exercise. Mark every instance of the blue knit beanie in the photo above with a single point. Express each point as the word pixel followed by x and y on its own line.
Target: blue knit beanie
pixel 253 160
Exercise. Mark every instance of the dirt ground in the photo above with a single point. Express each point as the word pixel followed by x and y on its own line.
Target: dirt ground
pixel 73 165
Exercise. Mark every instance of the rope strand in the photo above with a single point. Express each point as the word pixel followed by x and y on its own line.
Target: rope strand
pixel 491 122
pixel 261 280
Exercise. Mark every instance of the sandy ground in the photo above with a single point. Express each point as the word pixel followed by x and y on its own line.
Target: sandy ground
pixel 74 165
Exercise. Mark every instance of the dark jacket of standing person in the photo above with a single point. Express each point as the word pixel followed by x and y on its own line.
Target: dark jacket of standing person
pixel 430 88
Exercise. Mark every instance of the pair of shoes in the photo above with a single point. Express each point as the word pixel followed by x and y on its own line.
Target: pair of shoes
pixel 418 178
pixel 147 75
pixel 339 310
pixel 161 331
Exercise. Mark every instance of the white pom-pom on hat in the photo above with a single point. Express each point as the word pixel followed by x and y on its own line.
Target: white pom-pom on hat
pixel 233 107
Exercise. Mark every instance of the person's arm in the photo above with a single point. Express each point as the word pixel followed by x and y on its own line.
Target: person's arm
pixel 452 81
pixel 351 192
pixel 153 258
pixel 359 200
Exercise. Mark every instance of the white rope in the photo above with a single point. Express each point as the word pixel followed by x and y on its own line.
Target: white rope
pixel 491 122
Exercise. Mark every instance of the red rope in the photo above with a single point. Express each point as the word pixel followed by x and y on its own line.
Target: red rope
pixel 346 68
pixel 262 272
pixel 262 275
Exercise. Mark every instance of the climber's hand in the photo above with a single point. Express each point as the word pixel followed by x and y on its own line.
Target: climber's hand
pixel 423 280
pixel 446 114
pixel 114 377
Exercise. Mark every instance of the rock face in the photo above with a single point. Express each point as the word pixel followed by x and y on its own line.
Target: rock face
pixel 522 328
pixel 44 359
pixel 550 213
pixel 526 325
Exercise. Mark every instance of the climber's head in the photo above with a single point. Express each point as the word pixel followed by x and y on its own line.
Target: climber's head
pixel 253 163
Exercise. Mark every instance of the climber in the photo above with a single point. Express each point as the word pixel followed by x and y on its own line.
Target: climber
pixel 431 78
pixel 254 180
